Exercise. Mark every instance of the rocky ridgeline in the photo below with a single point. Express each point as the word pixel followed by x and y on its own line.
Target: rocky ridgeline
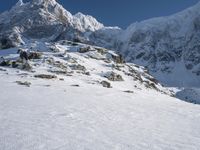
pixel 71 59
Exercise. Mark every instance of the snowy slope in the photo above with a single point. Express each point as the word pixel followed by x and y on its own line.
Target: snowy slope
pixel 79 96
pixel 74 111
pixel 90 117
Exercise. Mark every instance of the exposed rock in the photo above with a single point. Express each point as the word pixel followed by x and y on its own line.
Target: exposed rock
pixel 57 64
pixel 150 85
pixel 128 91
pixel 75 85
pixel 25 83
pixel 102 51
pixel 50 60
pixel 54 49
pixel 58 71
pixel 78 67
pixel 84 49
pixel 87 73
pixel 34 55
pixel 4 62
pixel 14 64
pixel 106 84
pixel 117 58
pixel 45 76
pixel 112 76
pixel 26 67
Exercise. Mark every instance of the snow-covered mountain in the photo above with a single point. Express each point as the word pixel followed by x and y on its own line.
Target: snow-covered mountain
pixel 43 19
pixel 168 46
pixel 77 92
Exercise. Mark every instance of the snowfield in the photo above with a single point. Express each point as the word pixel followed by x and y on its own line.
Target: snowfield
pixel 74 111
pixel 62 117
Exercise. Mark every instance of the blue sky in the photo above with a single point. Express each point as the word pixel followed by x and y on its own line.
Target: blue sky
pixel 119 12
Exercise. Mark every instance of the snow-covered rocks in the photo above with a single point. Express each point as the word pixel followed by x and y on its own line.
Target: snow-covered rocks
pixel 95 65
pixel 25 83
pixel 106 84
pixel 87 97
pixel 45 76
pixel 77 112
pixel 112 76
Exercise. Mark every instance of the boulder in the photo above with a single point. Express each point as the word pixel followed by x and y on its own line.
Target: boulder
pixel 26 83
pixel 84 49
pixel 34 55
pixel 26 67
pixel 105 84
pixel 78 67
pixel 45 76
pixel 112 76
pixel 5 63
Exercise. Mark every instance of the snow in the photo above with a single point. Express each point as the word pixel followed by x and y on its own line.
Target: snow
pixel 56 114
pixel 86 22
pixel 91 117
pixel 74 111
pixel 19 3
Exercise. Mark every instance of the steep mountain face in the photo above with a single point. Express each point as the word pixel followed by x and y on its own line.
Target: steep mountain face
pixel 168 46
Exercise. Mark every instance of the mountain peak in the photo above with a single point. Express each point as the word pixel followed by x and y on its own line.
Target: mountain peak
pixel 43 1
pixel 20 3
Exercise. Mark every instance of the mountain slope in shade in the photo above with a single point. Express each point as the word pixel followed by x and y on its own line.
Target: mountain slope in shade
pixel 168 46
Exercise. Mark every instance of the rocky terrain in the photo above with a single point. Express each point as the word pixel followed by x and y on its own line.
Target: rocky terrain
pixel 63 59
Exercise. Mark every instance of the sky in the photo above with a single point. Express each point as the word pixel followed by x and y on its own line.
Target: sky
pixel 119 12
